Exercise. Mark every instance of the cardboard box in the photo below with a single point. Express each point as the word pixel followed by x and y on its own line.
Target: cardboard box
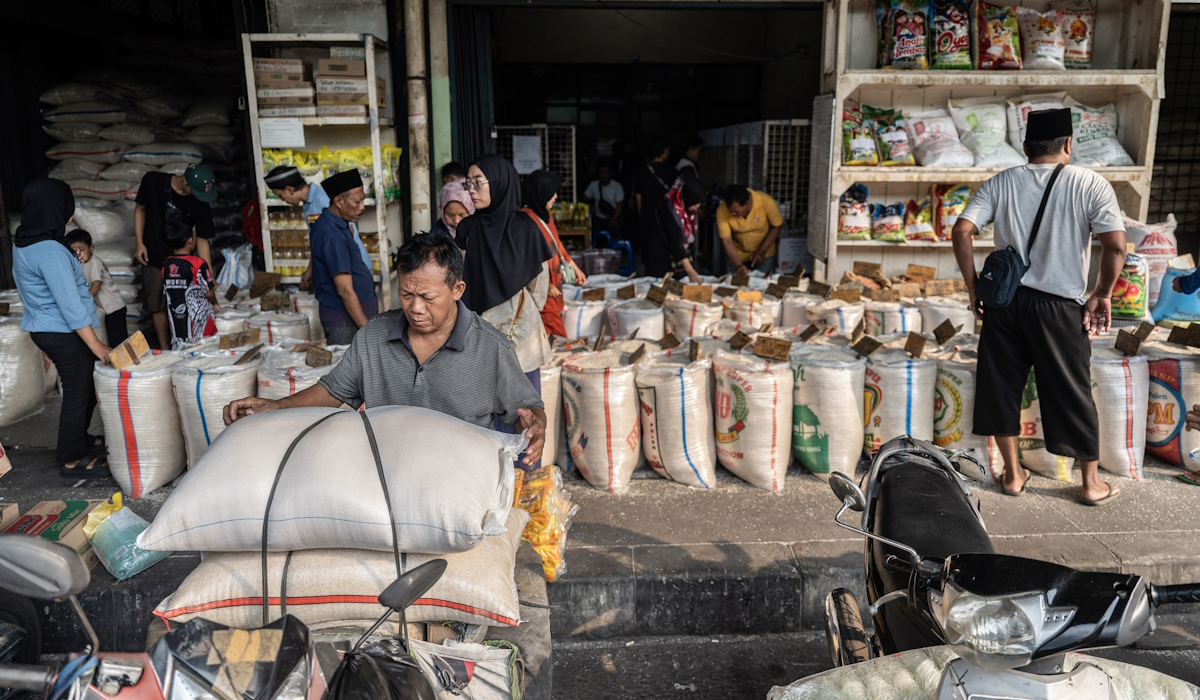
pixel 436 634
pixel 268 76
pixel 59 521
pixel 294 92
pixel 282 85
pixel 289 66
pixel 330 67
pixel 328 110
pixel 349 91
pixel 9 512
pixel 293 101
pixel 353 53
pixel 345 99
pixel 287 111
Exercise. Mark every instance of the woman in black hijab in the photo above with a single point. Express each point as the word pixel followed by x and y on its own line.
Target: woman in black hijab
pixel 60 317
pixel 670 243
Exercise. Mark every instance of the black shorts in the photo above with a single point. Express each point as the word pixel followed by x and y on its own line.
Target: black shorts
pixel 1045 332
pixel 154 299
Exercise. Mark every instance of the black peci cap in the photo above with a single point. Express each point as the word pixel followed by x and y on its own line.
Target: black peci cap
pixel 1048 124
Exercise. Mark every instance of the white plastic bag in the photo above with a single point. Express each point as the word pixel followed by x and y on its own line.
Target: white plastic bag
pixel 583 319
pixel 827 418
pixel 22 374
pixel 644 316
pixel 981 127
pixel 79 132
pixel 677 423
pixel 954 409
pixel 1156 243
pixel 838 315
pixel 1174 389
pixel 898 397
pixel 884 317
pixel 238 269
pixel 1120 388
pixel 687 319
pixel 753 418
pixel 75 169
pixel 600 405
pixel 204 385
pixel 1094 139
pixel 935 140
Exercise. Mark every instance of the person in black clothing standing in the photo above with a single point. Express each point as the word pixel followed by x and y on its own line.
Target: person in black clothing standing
pixel 670 243
pixel 650 185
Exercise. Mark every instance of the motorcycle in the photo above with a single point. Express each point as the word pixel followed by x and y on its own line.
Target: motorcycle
pixel 993 625
pixel 202 660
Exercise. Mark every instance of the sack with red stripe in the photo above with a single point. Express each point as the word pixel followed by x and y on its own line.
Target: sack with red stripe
pixel 204 384
pixel 756 313
pixel 343 585
pixel 108 190
pixel 687 319
pixel 600 406
pixel 677 425
pixel 753 417
pixel 231 320
pixel 305 303
pixel 1121 390
pixel 1174 389
pixel 142 427
pixel 283 372
pixel 95 151
pixel 277 325
pixel 22 374
pixel 583 319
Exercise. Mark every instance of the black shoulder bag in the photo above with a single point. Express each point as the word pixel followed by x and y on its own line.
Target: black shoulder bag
pixel 1003 269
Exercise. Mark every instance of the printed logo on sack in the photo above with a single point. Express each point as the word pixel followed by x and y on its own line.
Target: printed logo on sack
pixel 571 417
pixel 947 410
pixel 731 404
pixel 872 396
pixel 812 446
pixel 1165 411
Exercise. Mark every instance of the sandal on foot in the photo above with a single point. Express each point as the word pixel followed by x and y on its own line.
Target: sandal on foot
pixel 94 468
pixel 1020 491
pixel 1113 492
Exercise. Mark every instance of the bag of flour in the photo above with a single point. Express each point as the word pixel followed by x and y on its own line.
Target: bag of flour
pixel 677 424
pixel 600 406
pixel 1174 389
pixel 1031 443
pixel 795 306
pixel 827 421
pixel 204 385
pixel 935 140
pixel 284 372
pixel 756 313
pixel 583 319
pixel 22 374
pixel 898 397
pixel 646 317
pixel 277 325
pixel 1120 388
pixel 753 417
pixel 142 427
pixel 687 319
pixel 837 315
pixel 954 408
pixel 955 308
pixel 981 123
pixel 884 317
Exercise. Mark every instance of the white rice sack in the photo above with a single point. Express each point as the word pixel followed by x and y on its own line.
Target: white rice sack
pixel 600 405
pixel 105 222
pixel 1031 443
pixel 213 136
pixel 1157 244
pixel 68 93
pixel 141 423
pixel 284 373
pixel 131 172
pixel 135 134
pixel 1018 114
pixel 550 376
pixel 174 168
pixel 447 491
pixel 756 313
pixel 688 319
pixel 168 104
pixel 22 373
pixel 981 127
pixel 838 315
pixel 753 418
pixel 583 319
pixel 277 325
pixel 677 422
pixel 954 307
pixel 898 397
pixel 1042 43
pixel 207 109
pixel 646 317
pixel 335 585
pixel 305 303
pixel 118 252
pixel 204 385
pixel 79 132
pixel 827 418
pixel 885 317
pixel 795 305
pixel 1174 389
pixel 91 112
pixel 610 284
pixel 934 140
pixel 75 169
pixel 1120 388
pixel 108 190
pixel 160 154
pixel 954 409
pixel 96 151
pixel 1094 136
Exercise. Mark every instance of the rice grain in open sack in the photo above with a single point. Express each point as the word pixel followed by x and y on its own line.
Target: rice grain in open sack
pixel 277 325
pixel 677 424
pixel 795 307
pixel 1121 391
pixel 284 372
pixel 954 407
pixel 447 490
pixel 838 315
pixel 142 427
pixel 646 317
pixel 954 307
pixel 688 319
pixel 756 313
pixel 753 417
pixel 1174 389
pixel 204 385
pixel 600 405
pixel 898 397
pixel 583 319
pixel 22 374
pixel 827 422
pixel 883 317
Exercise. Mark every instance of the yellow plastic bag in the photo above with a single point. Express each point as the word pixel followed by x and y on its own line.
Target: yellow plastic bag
pixel 99 514
pixel 550 512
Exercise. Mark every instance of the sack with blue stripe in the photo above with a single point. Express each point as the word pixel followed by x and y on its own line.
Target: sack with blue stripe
pixel 204 385
pixel 677 422
pixel 898 397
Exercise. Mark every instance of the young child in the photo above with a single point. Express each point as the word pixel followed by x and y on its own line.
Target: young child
pixel 101 285
pixel 188 284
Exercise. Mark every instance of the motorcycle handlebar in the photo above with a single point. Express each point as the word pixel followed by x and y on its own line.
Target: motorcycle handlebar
pixel 1181 593
pixel 26 677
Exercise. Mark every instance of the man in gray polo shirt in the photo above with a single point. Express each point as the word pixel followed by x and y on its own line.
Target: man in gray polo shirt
pixel 434 353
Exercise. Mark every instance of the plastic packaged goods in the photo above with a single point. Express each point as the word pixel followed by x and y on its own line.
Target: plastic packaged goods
pixel 753 418
pixel 995 37
pixel 1018 114
pixel 284 373
pixel 204 385
pixel 106 152
pixel 756 313
pixel 646 317
pixel 113 529
pixel 950 39
pixel 854 217
pixel 600 405
pixel 827 419
pixel 858 139
pixel 890 135
pixel 551 383
pixel 954 408
pixel 446 494
pixel 981 124
pixel 22 374
pixel 142 428
pixel 677 422
pixel 79 132
pixel 918 221
pixel 1042 45
pixel 948 202
pixel 1078 25
pixel 688 319
pixel 795 306
pixel 897 397
pixel 1031 443
pixel 1130 297
pixel 887 223
pixel 163 153
pixel 68 93
pixel 883 317
pixel 934 140
pixel 908 38
pixel 1173 305
pixel 955 308
pixel 1174 389
pixel 1120 388
pixel 1094 138
pixel 550 512
pixel 838 316
pixel 329 585
pixel 277 325
pixel 1156 243
pixel 583 318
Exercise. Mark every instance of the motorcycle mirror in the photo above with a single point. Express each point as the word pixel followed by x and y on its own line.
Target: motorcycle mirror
pixel 38 568
pixel 848 491
pixel 405 590
pixel 969 467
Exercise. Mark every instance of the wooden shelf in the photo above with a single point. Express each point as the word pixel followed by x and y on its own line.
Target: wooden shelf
pixel 1145 80
pixel 318 40
pixel 979 243
pixel 336 121
pixel 852 173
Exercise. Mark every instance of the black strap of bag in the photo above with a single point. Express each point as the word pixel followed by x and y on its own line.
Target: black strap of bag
pixel 1003 269
pixel 1037 221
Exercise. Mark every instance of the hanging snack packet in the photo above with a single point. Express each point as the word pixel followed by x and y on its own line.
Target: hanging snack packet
pixel 1018 114
pixel 1041 39
pixel 1078 23
pixel 1094 136
pixel 888 223
pixel 890 135
pixel 908 47
pixel 934 140
pixel 981 124
pixel 996 37
pixel 950 39
pixel 948 202
pixel 858 140
pixel 918 221
pixel 854 217
pixel 1130 295
pixel 883 15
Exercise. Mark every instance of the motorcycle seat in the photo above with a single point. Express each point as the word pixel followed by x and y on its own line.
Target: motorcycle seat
pixel 923 507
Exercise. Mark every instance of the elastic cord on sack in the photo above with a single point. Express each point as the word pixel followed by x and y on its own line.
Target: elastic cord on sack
pixel 387 498
pixel 283 586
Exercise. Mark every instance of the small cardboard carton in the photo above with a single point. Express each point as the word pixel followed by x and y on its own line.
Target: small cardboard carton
pixel 350 68
pixel 59 521
pixel 280 66
pixel 357 53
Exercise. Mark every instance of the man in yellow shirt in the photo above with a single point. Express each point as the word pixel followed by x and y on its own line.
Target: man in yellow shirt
pixel 748 222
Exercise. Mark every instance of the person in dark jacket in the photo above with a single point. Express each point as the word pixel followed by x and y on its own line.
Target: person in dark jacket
pixel 670 241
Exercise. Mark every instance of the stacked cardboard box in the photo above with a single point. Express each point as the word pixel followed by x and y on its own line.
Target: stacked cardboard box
pixel 341 85
pixel 57 521
pixel 284 88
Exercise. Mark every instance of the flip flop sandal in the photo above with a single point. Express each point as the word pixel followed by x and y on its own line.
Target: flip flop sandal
pixel 1020 491
pixel 1112 494
pixel 95 467
pixel 1187 480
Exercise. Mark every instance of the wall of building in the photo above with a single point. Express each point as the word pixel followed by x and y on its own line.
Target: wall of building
pixel 353 16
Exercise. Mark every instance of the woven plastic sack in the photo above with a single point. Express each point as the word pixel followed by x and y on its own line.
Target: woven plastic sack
pixel 128 172
pixel 109 190
pixel 207 109
pixel 551 382
pixel 600 405
pixel 96 151
pixel 204 385
pixel 283 372
pixel 935 140
pixel 142 427
pixel 1094 140
pixel 583 319
pixel 277 325
pixel 827 420
pixel 677 423
pixel 75 169
pixel 133 134
pixel 22 374
pixel 1120 388
pixel 1156 243
pixel 163 153
pixel 884 317
pixel 898 397
pixel 837 315
pixel 954 409
pixel 330 585
pixel 231 320
pixel 94 112
pixel 1174 389
pixel 982 127
pixel 795 305
pixel 646 317
pixel 446 494
pixel 79 132
pixel 68 93
pixel 753 418
pixel 756 313
pixel 687 319
pixel 955 308
pixel 1031 443
pixel 495 669
pixel 305 303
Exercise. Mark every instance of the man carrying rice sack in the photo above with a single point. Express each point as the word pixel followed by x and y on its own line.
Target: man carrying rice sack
pixel 433 353
pixel 1045 214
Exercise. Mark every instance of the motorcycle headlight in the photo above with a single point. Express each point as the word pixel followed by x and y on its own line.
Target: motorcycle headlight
pixel 295 686
pixel 999 632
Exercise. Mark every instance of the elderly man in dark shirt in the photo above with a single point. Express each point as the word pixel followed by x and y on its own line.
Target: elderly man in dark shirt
pixel 434 353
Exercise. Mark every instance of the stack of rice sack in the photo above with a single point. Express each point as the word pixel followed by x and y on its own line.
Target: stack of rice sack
pixel 22 372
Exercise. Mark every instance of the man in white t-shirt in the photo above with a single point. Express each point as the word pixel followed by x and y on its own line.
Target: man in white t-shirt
pixel 1047 323
pixel 606 198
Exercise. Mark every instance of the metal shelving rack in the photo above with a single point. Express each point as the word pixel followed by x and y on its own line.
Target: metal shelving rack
pixel 376 124
pixel 558 152
pixel 769 156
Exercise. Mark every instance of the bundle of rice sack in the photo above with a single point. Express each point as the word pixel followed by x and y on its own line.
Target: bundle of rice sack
pixel 677 423
pixel 583 318
pixel 142 427
pixel 95 151
pixel 837 315
pixel 277 325
pixel 884 317
pixel 75 169
pixel 1031 443
pixel 644 316
pixel 688 319
pixel 827 419
pixel 22 374
pixel 1120 388
pixel 954 408
pixel 204 385
pixel 795 305
pixel 981 127
pixel 898 397
pixel 95 112
pixel 600 407
pixel 161 154
pixel 753 417
pixel 756 313
pixel 131 172
pixel 79 132
pixel 954 308
pixel 1174 389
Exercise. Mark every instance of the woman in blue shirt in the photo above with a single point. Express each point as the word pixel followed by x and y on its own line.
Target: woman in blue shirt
pixel 60 317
